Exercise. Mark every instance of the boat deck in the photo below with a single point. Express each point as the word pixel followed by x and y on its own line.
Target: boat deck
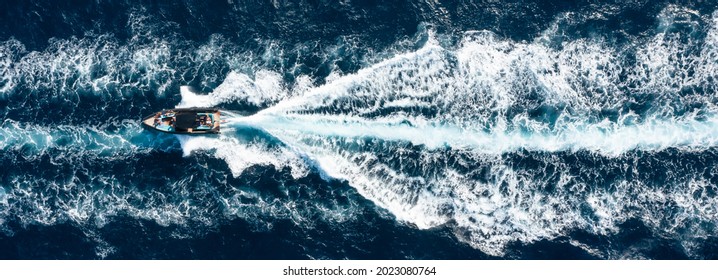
pixel 185 121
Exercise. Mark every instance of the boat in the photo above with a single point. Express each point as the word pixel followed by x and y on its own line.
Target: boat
pixel 184 121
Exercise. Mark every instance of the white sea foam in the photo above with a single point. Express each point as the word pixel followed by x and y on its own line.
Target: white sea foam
pixel 4 206
pixel 605 137
pixel 98 67
pixel 67 141
pixel 265 88
pixel 463 107
pixel 241 155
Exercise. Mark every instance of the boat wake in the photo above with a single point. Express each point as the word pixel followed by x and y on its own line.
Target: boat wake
pixel 503 142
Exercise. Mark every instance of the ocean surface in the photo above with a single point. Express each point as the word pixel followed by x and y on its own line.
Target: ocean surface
pixel 510 129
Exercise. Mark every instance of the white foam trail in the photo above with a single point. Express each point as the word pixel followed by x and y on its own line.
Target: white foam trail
pixel 191 99
pixel 470 104
pixel 241 155
pixel 266 88
pixel 606 138
pixel 508 205
pixel 66 141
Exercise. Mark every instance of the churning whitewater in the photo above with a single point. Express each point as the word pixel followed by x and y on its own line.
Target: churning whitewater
pixel 430 135
pixel 594 146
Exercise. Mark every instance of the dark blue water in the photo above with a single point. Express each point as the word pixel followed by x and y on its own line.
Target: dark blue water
pixel 400 130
